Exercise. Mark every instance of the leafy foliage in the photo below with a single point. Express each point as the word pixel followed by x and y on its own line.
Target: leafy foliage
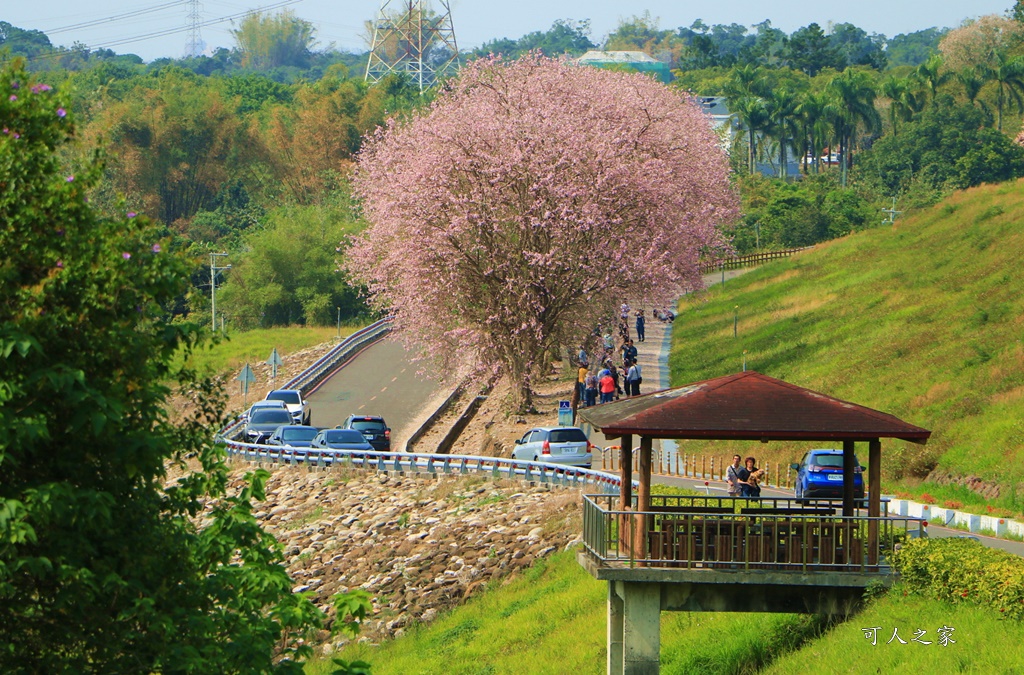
pixel 102 568
pixel 964 571
pixel 947 145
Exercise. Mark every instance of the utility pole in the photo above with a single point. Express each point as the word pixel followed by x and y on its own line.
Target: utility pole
pixel 892 213
pixel 213 287
pixel 410 38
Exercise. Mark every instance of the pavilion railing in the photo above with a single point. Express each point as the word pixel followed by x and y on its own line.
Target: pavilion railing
pixel 739 533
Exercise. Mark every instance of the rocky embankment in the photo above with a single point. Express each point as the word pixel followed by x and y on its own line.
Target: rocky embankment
pixel 418 545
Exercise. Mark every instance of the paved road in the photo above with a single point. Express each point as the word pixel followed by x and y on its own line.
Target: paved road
pixel 381 380
pixel 717 488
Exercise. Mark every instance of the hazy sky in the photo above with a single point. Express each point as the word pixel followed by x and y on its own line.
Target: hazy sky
pixel 475 21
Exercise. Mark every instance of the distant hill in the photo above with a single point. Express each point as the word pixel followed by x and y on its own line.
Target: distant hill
pixel 923 320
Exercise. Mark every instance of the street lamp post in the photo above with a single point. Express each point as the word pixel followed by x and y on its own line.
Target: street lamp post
pixel 213 286
pixel 339 323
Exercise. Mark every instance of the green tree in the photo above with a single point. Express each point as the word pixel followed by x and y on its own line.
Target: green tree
pixel 913 49
pixel 102 568
pixel 1008 75
pixel 810 50
pixel 947 146
pixel 812 127
pixel 902 103
pixel 780 107
pixel 930 75
pixel 274 40
pixel 289 274
pixel 852 106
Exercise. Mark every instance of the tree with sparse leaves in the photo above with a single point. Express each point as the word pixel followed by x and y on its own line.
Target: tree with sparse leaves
pixel 530 200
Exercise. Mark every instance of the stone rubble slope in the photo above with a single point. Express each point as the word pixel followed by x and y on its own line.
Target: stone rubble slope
pixel 418 545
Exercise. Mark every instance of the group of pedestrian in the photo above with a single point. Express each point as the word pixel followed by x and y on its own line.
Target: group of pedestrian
pixel 604 385
pixel 664 315
pixel 744 481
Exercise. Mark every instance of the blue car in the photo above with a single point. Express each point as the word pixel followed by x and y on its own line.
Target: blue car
pixel 820 476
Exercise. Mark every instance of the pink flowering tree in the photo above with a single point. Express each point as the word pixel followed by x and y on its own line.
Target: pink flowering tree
pixel 528 201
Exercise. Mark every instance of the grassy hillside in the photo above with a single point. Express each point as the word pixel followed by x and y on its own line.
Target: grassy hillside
pixel 254 346
pixel 922 321
pixel 552 620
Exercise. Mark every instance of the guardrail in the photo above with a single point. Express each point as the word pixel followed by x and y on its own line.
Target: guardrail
pixel 325 365
pixel 424 463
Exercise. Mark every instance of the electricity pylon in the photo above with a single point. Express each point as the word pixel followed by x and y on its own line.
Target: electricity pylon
pixel 409 38
pixel 194 45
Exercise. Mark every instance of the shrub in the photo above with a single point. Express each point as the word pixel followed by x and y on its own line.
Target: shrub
pixel 963 570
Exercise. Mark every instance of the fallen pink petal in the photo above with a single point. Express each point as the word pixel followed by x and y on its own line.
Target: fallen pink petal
pixel 126 255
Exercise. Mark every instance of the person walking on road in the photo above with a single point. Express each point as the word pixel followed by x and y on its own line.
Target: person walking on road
pixel 640 325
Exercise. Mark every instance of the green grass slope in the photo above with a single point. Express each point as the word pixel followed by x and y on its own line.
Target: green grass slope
pixel 552 620
pixel 923 321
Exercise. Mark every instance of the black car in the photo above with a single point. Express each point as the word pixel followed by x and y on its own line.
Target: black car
pixel 373 428
pixel 265 422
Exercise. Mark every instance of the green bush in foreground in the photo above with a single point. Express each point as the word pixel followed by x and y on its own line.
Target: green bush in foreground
pixel 102 568
pixel 963 570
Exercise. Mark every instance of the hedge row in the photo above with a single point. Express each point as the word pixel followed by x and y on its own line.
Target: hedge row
pixel 963 570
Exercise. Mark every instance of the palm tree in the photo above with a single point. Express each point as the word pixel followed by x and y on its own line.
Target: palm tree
pixel 753 115
pixel 851 104
pixel 780 108
pixel 903 103
pixel 1008 74
pixel 930 75
pixel 812 127
pixel 972 80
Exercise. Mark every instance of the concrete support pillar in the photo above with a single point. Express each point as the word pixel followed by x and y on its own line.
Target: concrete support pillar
pixel 615 631
pixel 641 628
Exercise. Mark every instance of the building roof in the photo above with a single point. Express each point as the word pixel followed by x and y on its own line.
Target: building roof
pixel 747 406
pixel 617 57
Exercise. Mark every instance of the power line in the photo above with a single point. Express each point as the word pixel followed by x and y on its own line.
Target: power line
pixel 117 17
pixel 172 31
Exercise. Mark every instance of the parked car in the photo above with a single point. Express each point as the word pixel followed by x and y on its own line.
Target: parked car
pixel 820 476
pixel 341 439
pixel 373 428
pixel 559 445
pixel 258 405
pixel 297 406
pixel 293 435
pixel 265 422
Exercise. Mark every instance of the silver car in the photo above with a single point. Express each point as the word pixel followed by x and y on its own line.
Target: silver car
pixel 558 445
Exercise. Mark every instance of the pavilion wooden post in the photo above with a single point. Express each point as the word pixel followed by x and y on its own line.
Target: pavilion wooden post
pixel 626 523
pixel 643 498
pixel 626 473
pixel 874 497
pixel 848 464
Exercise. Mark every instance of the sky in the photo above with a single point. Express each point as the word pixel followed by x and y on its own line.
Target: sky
pixel 117 24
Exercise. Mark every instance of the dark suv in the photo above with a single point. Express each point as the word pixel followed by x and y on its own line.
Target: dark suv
pixel 373 428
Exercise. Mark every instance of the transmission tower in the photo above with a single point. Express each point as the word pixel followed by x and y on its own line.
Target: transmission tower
pixel 410 38
pixel 194 46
